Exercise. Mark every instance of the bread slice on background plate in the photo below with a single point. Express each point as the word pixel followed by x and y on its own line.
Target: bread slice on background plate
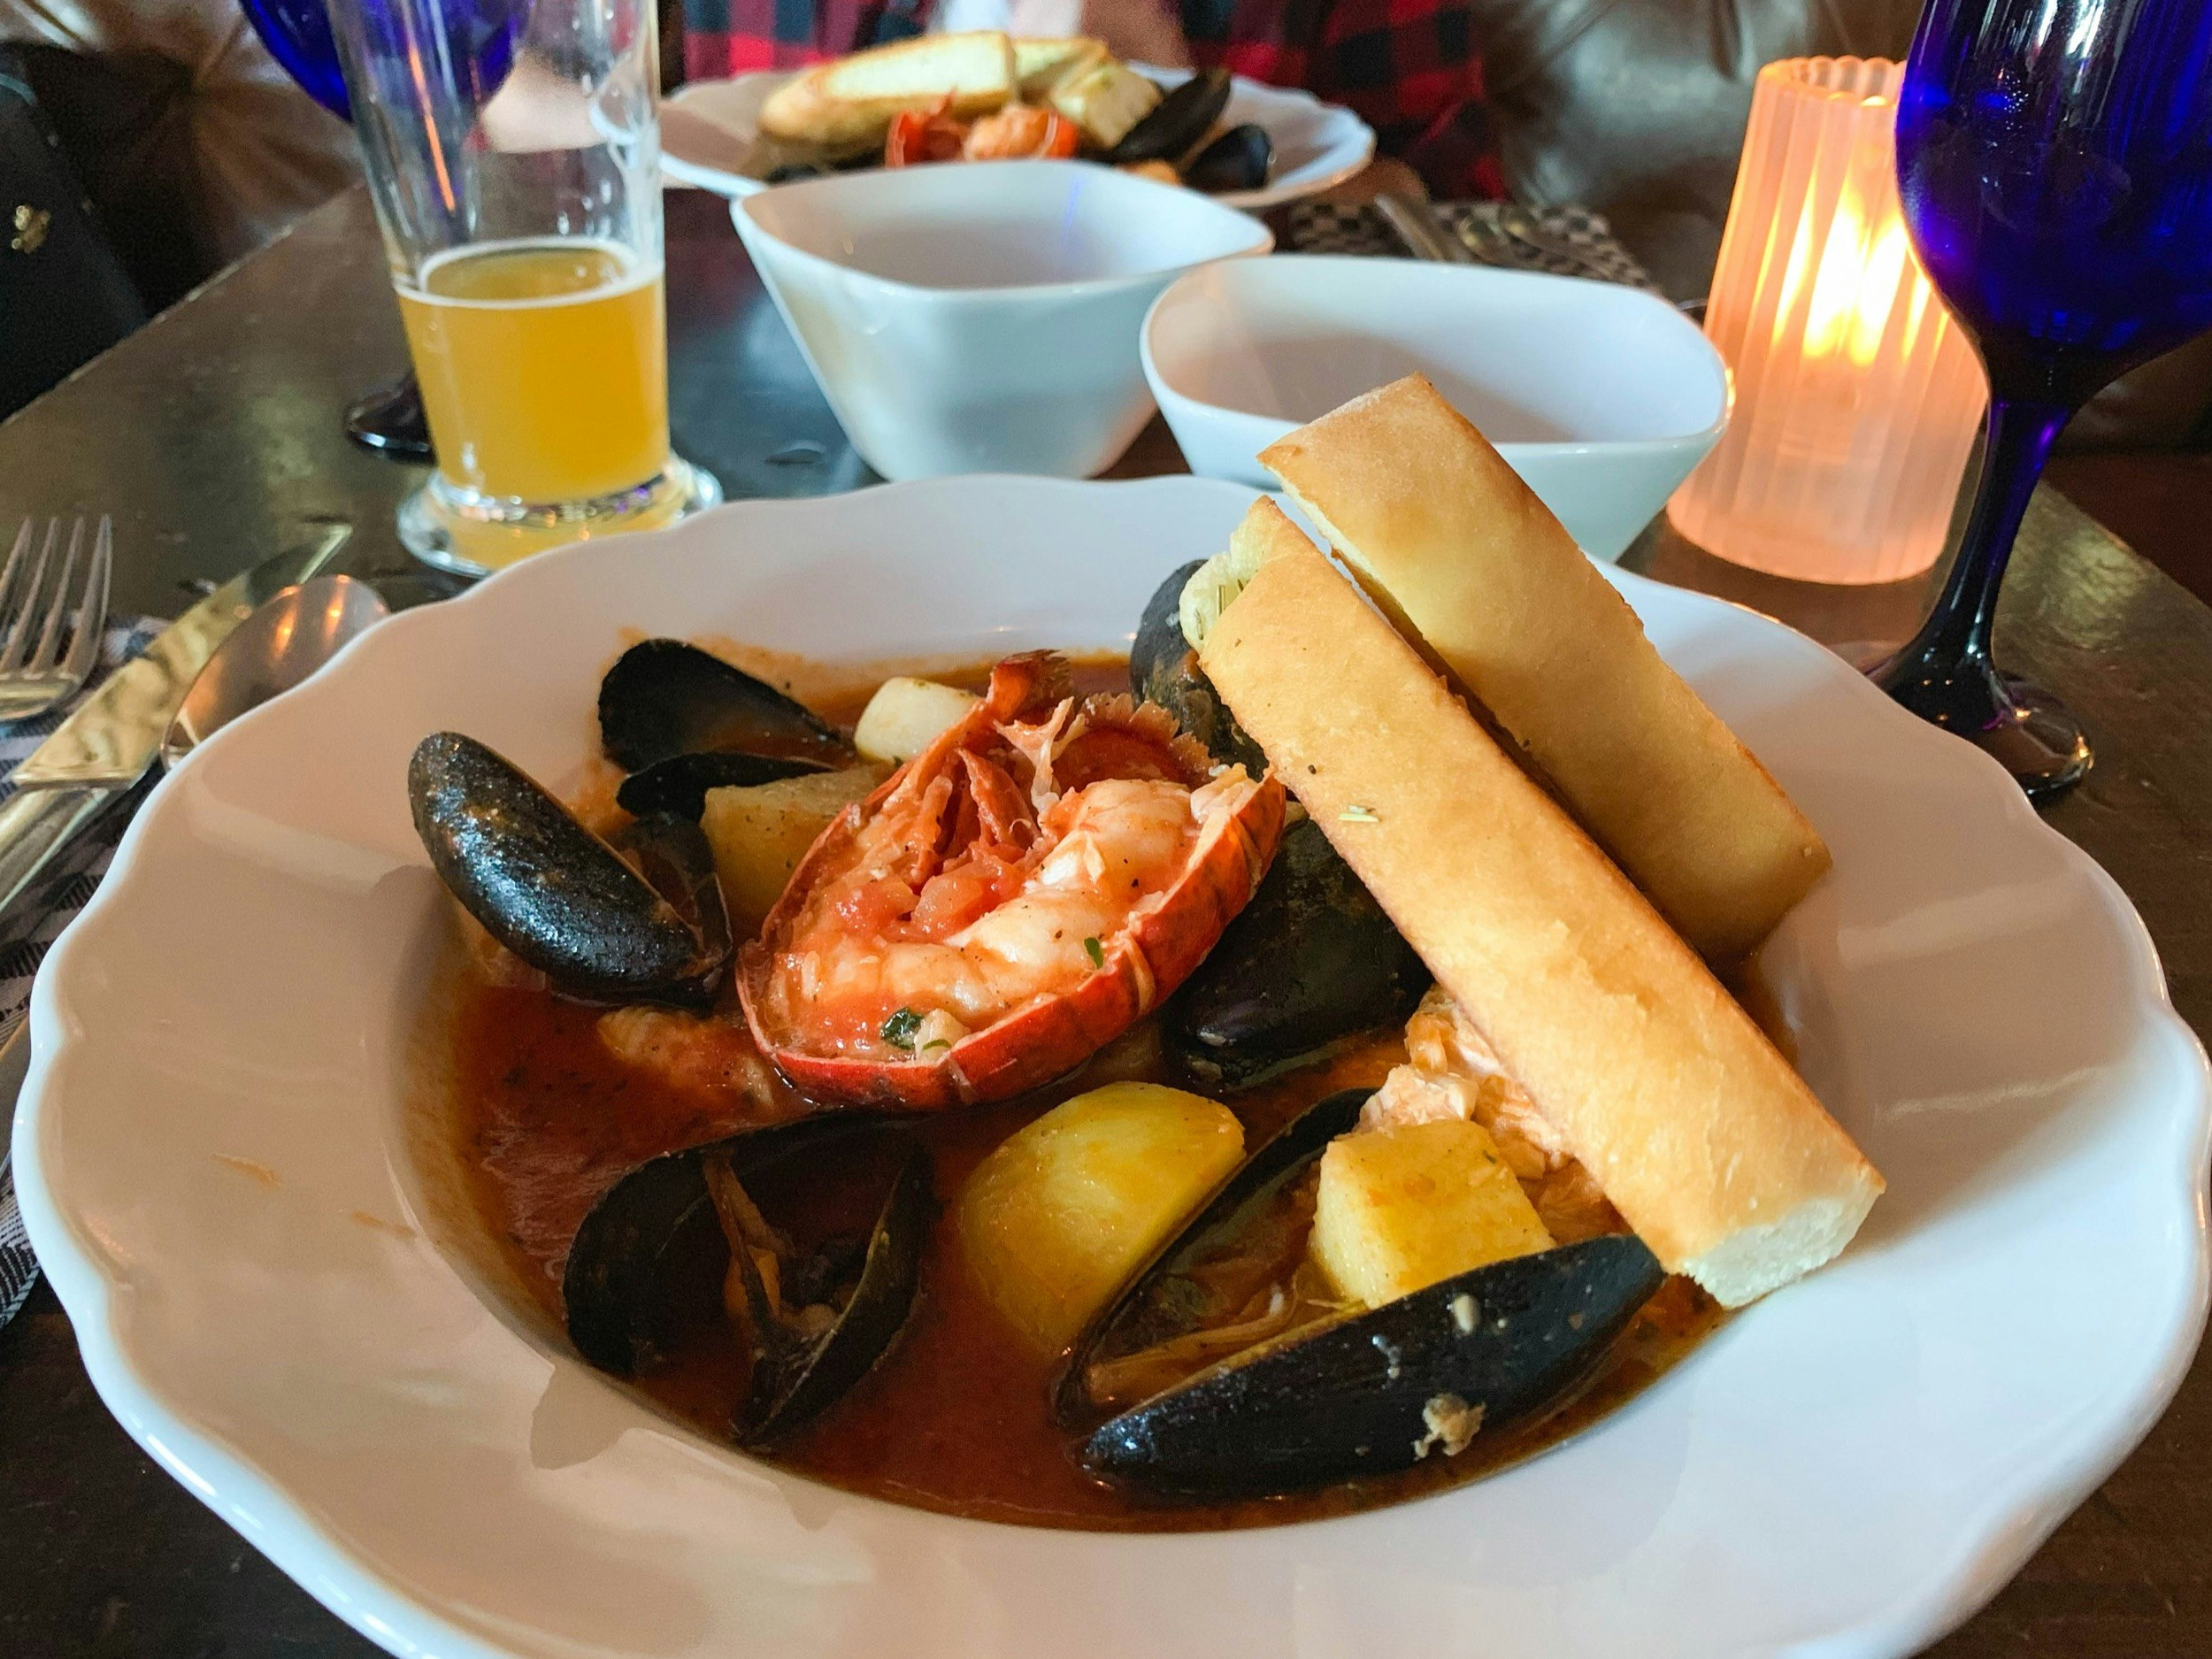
pixel 1698 1130
pixel 848 103
pixel 1041 64
pixel 1477 571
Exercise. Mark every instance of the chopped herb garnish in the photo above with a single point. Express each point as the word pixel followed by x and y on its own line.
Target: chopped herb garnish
pixel 1359 815
pixel 899 1030
pixel 1094 951
pixel 936 1042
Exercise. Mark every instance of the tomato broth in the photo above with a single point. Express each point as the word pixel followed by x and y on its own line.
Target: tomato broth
pixel 956 1417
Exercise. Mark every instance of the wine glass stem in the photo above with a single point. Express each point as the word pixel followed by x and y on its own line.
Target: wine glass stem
pixel 2019 441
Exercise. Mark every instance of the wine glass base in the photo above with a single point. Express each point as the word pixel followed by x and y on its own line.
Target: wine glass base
pixel 2025 730
pixel 390 421
pixel 468 534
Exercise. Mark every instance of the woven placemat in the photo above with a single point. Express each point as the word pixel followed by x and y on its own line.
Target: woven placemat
pixel 1569 241
pixel 39 920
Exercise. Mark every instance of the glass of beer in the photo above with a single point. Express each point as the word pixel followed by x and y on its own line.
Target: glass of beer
pixel 513 151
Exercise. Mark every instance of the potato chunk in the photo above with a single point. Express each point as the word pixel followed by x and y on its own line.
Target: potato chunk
pixel 1064 1211
pixel 905 715
pixel 1399 1210
pixel 760 833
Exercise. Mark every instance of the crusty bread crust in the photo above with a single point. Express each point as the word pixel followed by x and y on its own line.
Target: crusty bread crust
pixel 1696 1128
pixel 1477 571
pixel 850 101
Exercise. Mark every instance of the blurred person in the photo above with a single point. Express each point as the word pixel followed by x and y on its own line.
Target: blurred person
pixel 1407 67
pixel 193 143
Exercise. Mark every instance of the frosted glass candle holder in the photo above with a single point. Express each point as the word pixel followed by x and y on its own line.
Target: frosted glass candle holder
pixel 1857 397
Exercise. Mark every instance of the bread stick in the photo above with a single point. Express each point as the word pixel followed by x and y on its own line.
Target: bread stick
pixel 1694 1125
pixel 1477 571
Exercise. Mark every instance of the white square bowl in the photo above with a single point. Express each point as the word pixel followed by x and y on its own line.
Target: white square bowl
pixel 1602 397
pixel 982 318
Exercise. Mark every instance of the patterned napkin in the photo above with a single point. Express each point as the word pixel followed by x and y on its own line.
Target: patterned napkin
pixel 1576 242
pixel 24 937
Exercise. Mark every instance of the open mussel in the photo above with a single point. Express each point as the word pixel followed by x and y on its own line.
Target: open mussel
pixel 1164 669
pixel 1240 159
pixel 678 785
pixel 1175 124
pixel 1340 1396
pixel 678 1245
pixel 639 919
pixel 681 721
pixel 1310 963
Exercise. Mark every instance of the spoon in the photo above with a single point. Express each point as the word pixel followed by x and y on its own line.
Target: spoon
pixel 273 650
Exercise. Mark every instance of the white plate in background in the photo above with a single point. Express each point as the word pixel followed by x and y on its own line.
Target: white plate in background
pixel 1317 145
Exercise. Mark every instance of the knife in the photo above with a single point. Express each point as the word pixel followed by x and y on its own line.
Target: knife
pixel 95 756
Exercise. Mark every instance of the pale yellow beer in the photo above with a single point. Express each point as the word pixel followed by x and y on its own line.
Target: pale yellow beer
pixel 544 368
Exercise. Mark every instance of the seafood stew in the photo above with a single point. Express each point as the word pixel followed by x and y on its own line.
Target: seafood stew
pixel 984 95
pixel 577 1133
pixel 958 1416
pixel 1001 1098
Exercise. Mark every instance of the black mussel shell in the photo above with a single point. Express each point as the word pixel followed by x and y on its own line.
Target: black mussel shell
pixel 645 1273
pixel 664 698
pixel 673 853
pixel 648 1258
pixel 1474 1356
pixel 1309 963
pixel 1175 124
pixel 1162 1301
pixel 679 784
pixel 787 1395
pixel 1164 669
pixel 1240 159
pixel 559 897
pixel 1368 1394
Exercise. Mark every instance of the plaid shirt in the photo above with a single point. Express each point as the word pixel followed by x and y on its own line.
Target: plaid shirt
pixel 1407 67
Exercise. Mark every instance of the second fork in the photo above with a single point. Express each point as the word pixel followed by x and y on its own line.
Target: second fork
pixel 36 673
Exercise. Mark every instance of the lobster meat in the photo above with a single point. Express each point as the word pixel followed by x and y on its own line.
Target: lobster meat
pixel 1009 901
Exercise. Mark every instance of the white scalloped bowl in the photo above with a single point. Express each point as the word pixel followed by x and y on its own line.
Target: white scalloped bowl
pixel 1317 145
pixel 1845 1469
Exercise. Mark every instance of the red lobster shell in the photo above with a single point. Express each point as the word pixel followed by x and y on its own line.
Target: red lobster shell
pixel 1139 964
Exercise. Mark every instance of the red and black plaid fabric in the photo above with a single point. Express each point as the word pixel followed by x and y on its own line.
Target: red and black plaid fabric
pixel 1409 67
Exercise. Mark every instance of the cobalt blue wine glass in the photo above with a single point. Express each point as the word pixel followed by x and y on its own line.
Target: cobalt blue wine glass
pixel 389 419
pixel 297 34
pixel 2054 158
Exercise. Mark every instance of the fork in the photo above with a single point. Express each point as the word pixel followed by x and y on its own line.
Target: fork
pixel 35 674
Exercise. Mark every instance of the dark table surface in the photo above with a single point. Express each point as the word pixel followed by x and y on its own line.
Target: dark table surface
pixel 212 437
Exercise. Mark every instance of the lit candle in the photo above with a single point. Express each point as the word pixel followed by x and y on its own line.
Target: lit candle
pixel 1857 398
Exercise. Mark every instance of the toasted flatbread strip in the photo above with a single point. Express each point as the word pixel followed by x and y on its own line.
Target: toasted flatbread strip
pixel 1696 1128
pixel 849 102
pixel 1477 571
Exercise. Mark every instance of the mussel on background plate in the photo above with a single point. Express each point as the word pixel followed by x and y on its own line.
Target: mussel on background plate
pixel 1174 126
pixel 1238 159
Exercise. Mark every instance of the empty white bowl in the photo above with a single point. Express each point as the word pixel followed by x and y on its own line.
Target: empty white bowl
pixel 1602 397
pixel 982 317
